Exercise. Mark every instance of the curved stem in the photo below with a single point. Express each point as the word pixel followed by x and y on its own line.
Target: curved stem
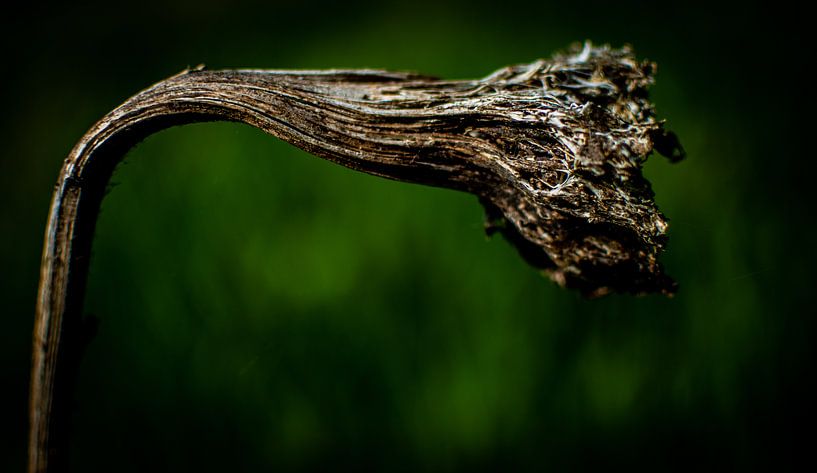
pixel 553 149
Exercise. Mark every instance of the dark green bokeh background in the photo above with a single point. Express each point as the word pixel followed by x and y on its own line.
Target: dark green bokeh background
pixel 262 309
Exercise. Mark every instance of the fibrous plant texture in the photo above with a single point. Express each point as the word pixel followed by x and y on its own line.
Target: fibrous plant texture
pixel 553 150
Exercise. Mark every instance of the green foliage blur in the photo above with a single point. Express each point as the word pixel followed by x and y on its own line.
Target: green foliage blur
pixel 260 309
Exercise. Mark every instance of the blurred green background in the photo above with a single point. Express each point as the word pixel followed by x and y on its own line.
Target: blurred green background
pixel 261 309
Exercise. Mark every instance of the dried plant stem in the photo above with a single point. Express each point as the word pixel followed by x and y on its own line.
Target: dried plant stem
pixel 552 149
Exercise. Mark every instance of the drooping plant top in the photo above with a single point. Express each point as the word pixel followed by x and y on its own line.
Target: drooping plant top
pixel 568 138
pixel 553 149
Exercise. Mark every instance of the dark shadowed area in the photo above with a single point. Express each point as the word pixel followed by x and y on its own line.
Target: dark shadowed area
pixel 260 309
